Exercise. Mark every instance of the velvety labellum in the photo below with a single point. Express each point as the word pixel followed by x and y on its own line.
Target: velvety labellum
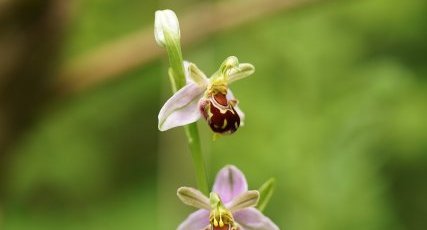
pixel 220 114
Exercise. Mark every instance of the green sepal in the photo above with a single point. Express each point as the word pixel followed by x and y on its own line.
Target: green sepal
pixel 266 192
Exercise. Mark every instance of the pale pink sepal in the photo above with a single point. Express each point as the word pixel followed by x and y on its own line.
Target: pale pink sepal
pixel 182 108
pixel 229 183
pixel 253 219
pixel 198 220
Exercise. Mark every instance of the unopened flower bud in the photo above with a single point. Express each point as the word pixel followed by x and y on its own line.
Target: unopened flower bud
pixel 165 22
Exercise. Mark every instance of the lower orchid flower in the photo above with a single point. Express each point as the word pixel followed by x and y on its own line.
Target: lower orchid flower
pixel 209 98
pixel 230 206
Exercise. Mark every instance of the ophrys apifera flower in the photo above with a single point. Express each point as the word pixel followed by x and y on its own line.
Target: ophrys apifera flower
pixel 209 98
pixel 230 206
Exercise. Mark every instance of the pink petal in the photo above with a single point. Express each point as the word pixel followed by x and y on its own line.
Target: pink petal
pixel 229 183
pixel 182 108
pixel 230 96
pixel 198 220
pixel 253 219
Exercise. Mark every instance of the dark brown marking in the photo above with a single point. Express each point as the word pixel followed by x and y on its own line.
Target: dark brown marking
pixel 217 119
pixel 217 110
pixel 221 99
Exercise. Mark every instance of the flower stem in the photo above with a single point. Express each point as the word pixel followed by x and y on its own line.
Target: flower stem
pixel 177 74
pixel 196 152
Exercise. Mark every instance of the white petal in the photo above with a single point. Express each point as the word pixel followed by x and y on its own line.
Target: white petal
pixel 182 108
pixel 230 96
pixel 252 219
pixel 193 197
pixel 165 22
pixel 198 220
pixel 239 72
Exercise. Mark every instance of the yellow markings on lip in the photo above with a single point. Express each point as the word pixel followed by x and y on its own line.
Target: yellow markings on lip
pixel 210 114
pixel 223 111
pixel 225 124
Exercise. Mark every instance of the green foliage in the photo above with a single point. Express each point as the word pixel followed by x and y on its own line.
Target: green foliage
pixel 265 193
pixel 335 112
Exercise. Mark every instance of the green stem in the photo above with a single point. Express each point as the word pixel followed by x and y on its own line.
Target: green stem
pixel 177 73
pixel 196 152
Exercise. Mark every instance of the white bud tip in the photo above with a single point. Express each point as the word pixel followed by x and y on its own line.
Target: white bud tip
pixel 165 22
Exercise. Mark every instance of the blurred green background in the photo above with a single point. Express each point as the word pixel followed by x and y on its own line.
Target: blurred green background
pixel 336 112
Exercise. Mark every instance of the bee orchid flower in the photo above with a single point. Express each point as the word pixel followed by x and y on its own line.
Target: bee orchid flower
pixel 230 206
pixel 208 98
